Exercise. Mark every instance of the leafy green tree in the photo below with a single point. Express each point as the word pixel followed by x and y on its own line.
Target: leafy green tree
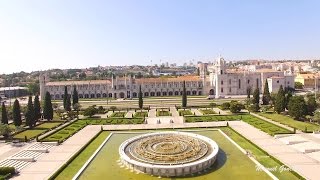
pixel 316 117
pixel 68 103
pixel 311 105
pixel 5 130
pixel 266 97
pixel 297 107
pixel 37 108
pixel 30 115
pixel 16 113
pixel 236 107
pixel 75 96
pixel 184 95
pixel 256 96
pixel 140 98
pixel 298 85
pixel 280 101
pixel 65 97
pixel 34 88
pixel 90 111
pixel 4 117
pixel 47 108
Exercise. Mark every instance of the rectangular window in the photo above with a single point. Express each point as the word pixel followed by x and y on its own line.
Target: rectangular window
pixel 221 82
pixel 222 90
pixel 229 81
pixel 248 81
pixel 230 89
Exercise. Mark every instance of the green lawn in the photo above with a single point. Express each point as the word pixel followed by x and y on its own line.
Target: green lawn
pixel 163 113
pixel 265 126
pixel 184 112
pixel 291 122
pixel 141 114
pixel 207 111
pixel 118 114
pixel 30 133
pixel 36 131
pixel 260 155
pixel 49 125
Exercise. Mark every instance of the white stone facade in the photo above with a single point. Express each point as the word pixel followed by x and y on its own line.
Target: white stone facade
pixel 219 82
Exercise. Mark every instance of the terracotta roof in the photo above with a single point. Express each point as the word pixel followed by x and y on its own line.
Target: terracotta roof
pixel 168 79
pixel 267 70
pixel 67 83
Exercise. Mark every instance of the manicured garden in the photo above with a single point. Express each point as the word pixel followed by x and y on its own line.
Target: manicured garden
pixel 163 113
pixel 118 114
pixel 185 112
pixel 265 126
pixel 140 114
pixel 64 133
pixel 36 131
pixel 286 120
pixel 207 111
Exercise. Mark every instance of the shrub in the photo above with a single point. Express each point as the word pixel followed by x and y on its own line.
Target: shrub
pixel 7 170
pixel 236 107
pixel 225 105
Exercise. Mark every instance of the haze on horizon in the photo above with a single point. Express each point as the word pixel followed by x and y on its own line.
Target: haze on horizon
pixel 40 35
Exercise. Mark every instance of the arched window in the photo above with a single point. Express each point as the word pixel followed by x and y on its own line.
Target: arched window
pixel 194 92
pixel 176 93
pixel 80 96
pixel 188 92
pixel 152 94
pixel 86 96
pixel 146 94
pixel 57 96
pixel 98 95
pixel 110 95
pixel 170 93
pixel 104 95
pixel 92 96
pixel 164 93
pixel 158 93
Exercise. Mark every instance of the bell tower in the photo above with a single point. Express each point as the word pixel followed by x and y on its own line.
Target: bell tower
pixel 43 79
pixel 220 65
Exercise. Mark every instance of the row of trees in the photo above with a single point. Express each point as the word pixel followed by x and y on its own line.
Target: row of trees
pixel 67 99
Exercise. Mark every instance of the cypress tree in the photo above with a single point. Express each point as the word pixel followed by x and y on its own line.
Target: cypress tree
pixel 65 97
pixel 37 109
pixel 184 95
pixel 4 119
pixel 248 92
pixel 68 103
pixel 140 98
pixel 288 97
pixel 47 108
pixel 16 113
pixel 266 97
pixel 280 103
pixel 30 115
pixel 256 96
pixel 75 96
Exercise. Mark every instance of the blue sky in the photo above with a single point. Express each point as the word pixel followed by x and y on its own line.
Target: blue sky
pixel 38 35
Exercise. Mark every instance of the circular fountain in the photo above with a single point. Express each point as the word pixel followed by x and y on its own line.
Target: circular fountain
pixel 168 153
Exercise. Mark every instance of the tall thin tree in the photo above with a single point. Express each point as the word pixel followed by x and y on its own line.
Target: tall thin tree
pixel 30 115
pixel 256 96
pixel 68 103
pixel 16 113
pixel 37 109
pixel 47 108
pixel 75 96
pixel 140 98
pixel 65 97
pixel 266 97
pixel 184 95
pixel 4 118
pixel 280 103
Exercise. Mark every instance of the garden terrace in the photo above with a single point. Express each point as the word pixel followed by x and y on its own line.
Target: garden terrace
pixel 286 120
pixel 140 114
pixel 118 114
pixel 184 112
pixel 264 126
pixel 163 112
pixel 207 111
pixel 37 130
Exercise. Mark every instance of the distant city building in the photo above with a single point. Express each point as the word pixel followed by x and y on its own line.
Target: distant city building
pixel 13 92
